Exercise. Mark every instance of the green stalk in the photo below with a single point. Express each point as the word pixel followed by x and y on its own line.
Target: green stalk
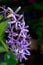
pixel 5 46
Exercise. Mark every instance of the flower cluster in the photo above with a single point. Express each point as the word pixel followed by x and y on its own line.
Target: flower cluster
pixel 17 34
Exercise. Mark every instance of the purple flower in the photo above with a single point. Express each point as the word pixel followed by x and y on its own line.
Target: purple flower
pixel 11 15
pixel 17 35
pixel 23 33
pixel 19 25
pixel 22 50
pixel 11 32
pixel 20 55
pixel 4 10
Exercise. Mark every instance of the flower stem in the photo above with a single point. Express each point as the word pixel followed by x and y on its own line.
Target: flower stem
pixel 5 46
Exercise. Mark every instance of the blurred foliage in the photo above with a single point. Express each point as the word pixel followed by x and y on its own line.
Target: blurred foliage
pixel 38 6
pixel 3 63
pixel 2 33
pixel 37 27
pixel 1 17
pixel 10 58
pixel 2 27
pixel 2 49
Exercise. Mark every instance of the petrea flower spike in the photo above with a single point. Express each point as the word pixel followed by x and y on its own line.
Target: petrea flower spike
pixel 17 35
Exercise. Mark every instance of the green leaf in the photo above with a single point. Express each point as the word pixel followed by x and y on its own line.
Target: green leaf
pixel 4 45
pixel 2 27
pixel 2 30
pixel 2 49
pixel 3 63
pixel 9 58
pixel 1 17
